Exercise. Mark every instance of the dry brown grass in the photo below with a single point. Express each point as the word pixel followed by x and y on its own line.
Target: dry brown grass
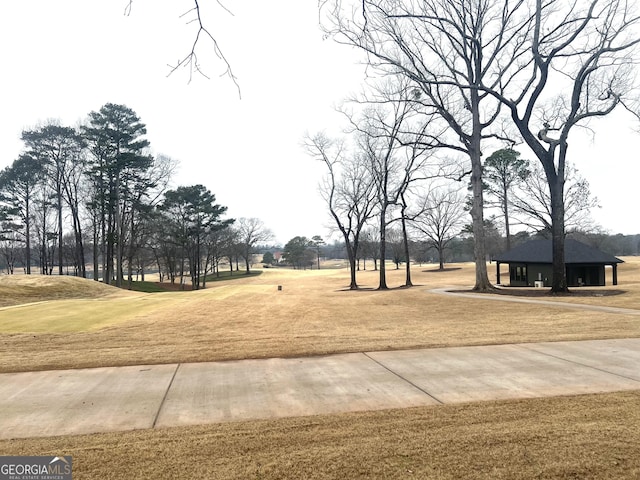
pixel 586 437
pixel 313 314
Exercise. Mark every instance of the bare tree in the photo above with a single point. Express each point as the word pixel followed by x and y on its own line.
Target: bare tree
pixel 533 203
pixel 380 141
pixel 417 149
pixel 348 190
pixel 441 218
pixel 583 60
pixel 251 231
pixel 396 245
pixel 10 243
pixel 75 190
pixel 369 248
pixel 215 242
pixel 448 49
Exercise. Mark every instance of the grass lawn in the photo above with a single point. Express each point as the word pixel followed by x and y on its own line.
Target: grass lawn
pixel 593 436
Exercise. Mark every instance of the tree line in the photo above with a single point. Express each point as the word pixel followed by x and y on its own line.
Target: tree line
pixel 92 201
pixel 459 248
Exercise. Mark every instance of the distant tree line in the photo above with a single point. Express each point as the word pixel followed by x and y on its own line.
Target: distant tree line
pixel 92 201
pixel 460 247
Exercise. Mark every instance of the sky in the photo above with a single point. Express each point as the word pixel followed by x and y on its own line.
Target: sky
pixel 64 59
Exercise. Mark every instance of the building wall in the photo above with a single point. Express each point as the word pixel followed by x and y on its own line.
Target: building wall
pixel 533 272
pixel 525 275
pixel 585 275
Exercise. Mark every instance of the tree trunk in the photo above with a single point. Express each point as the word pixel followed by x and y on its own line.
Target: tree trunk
pixel 80 253
pixel 119 229
pixel 43 249
pixel 198 263
pixel 59 209
pixel 108 252
pixel 477 208
pixel 383 250
pixel 130 270
pixel 208 260
pixel 157 257
pixel 505 207
pixel 353 284
pixel 559 271
pixel 96 265
pixel 482 278
pixel 405 239
pixel 28 235
pixel 131 250
pixel 440 248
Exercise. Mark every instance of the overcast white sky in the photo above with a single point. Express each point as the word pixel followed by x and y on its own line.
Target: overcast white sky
pixel 62 59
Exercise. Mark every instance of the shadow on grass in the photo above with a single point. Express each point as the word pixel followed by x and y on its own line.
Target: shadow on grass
pixel 376 289
pixel 227 275
pixel 438 270
pixel 546 292
pixel 155 287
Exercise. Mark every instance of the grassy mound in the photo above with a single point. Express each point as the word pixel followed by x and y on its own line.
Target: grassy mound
pixel 21 289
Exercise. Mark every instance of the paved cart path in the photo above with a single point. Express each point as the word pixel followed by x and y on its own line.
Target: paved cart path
pixel 547 303
pixel 67 402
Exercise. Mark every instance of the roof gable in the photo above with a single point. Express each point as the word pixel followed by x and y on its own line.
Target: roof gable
pixel 540 251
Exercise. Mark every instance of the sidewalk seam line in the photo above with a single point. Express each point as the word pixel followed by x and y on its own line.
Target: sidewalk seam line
pixel 164 398
pixel 403 378
pixel 581 364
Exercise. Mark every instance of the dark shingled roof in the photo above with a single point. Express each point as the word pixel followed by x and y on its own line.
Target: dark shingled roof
pixel 539 251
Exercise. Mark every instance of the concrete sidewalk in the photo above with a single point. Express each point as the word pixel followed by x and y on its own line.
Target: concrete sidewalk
pixel 67 402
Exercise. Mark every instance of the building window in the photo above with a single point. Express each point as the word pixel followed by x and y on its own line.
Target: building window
pixel 519 274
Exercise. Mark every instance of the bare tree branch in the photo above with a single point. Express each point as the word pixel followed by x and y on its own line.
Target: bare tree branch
pixel 190 60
